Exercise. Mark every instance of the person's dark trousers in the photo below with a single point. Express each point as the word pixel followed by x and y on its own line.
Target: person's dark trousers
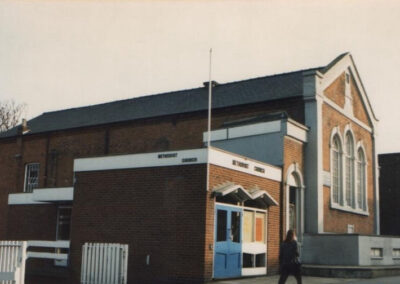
pixel 287 270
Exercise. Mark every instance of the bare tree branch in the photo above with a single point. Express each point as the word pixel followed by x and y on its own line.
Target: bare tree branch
pixel 10 114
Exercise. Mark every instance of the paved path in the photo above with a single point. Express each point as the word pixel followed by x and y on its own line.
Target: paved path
pixel 382 280
pixel 311 280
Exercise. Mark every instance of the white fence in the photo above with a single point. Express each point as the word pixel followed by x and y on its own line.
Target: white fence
pixel 48 244
pixel 12 262
pixel 13 256
pixel 104 263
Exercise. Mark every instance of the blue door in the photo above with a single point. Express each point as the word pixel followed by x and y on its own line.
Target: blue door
pixel 228 242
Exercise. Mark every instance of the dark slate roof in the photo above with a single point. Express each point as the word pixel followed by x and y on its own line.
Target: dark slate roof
pixel 256 119
pixel 281 86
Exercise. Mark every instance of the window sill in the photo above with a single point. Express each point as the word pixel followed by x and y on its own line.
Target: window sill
pixel 349 209
pixel 377 258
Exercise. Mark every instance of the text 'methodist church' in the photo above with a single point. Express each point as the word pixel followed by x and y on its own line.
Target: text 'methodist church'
pixel 293 150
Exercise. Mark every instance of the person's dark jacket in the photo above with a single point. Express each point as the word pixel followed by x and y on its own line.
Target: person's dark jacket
pixel 289 253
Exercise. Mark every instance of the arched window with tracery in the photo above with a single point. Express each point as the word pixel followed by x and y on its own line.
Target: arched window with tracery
pixel 349 173
pixel 361 188
pixel 336 154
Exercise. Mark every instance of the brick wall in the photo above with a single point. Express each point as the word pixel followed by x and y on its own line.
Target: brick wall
pixel 56 150
pixel 336 220
pixel 8 168
pixel 33 222
pixel 336 91
pixel 358 105
pixel 293 153
pixel 157 211
pixel 165 212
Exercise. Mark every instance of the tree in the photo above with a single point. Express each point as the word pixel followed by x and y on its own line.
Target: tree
pixel 10 114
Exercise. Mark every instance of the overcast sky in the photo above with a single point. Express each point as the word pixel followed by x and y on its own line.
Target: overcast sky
pixel 62 54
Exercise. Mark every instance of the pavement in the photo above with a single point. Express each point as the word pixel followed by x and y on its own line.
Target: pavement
pixel 311 280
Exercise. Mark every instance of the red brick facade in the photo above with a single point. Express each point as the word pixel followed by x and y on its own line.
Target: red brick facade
pixel 164 212
pixel 157 211
pixel 293 154
pixel 335 220
pixel 220 175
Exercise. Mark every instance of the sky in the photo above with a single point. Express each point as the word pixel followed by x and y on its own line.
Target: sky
pixel 62 54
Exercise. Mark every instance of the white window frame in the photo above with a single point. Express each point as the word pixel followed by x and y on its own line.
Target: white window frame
pixel 339 180
pixel 342 202
pixel 254 213
pixel 63 263
pixel 364 207
pixel 28 185
pixel 349 171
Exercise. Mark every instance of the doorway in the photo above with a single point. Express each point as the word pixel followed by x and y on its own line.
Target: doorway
pixel 295 202
pixel 228 244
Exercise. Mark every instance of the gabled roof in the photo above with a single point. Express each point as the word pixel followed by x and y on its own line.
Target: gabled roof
pixel 338 66
pixel 262 89
pixel 275 87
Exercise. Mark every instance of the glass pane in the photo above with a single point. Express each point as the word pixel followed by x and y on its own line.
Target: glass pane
pixel 64 223
pixel 260 227
pixel 335 176
pixel 336 170
pixel 221 225
pixel 32 177
pixel 292 216
pixel 235 227
pixel 260 260
pixel 248 260
pixel 248 226
pixel 292 195
pixel 292 208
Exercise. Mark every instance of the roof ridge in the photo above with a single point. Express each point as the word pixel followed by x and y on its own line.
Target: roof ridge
pixel 148 96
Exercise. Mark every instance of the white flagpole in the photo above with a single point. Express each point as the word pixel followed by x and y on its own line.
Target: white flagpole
pixel 209 122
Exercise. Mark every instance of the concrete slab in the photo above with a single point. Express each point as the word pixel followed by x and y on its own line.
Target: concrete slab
pixel 350 271
pixel 291 280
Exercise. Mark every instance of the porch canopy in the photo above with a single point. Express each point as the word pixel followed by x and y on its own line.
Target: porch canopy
pixel 240 194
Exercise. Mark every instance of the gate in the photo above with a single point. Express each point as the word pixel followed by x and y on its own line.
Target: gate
pixel 104 263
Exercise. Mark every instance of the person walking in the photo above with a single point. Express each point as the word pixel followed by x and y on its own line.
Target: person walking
pixel 289 263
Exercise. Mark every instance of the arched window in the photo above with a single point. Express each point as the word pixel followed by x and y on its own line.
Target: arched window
pixel 361 189
pixel 336 154
pixel 349 177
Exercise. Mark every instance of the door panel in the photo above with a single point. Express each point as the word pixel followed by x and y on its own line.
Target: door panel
pixel 228 244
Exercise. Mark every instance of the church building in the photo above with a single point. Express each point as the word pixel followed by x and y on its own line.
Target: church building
pixel 288 151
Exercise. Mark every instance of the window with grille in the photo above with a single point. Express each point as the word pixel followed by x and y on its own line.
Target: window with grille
pixel 31 177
